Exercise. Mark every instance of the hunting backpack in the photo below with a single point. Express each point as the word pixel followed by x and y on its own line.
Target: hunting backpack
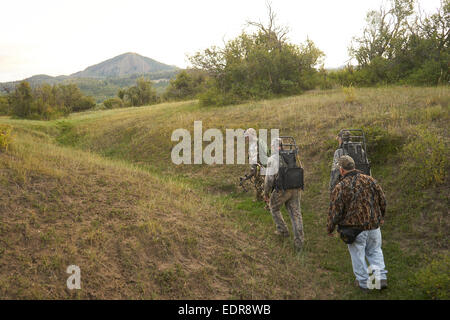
pixel 290 174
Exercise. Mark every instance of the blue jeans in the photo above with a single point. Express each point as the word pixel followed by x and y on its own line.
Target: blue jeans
pixel 367 245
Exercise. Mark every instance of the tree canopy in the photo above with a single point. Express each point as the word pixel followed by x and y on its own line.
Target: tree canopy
pixel 402 45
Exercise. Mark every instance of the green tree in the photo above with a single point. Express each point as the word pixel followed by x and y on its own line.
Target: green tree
pixel 186 85
pixel 399 45
pixel 4 105
pixel 141 94
pixel 385 32
pixel 427 53
pixel 21 100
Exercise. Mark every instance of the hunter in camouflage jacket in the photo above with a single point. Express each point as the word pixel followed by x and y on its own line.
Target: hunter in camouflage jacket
pixel 357 201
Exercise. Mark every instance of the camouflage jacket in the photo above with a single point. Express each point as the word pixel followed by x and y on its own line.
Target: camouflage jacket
pixel 357 201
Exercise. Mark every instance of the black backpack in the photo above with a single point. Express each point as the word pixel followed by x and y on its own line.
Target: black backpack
pixel 358 151
pixel 290 174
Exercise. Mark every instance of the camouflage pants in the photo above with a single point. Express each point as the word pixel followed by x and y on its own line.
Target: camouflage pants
pixel 259 186
pixel 291 199
pixel 258 181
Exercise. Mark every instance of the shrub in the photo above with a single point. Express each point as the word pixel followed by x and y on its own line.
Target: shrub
pixel 5 137
pixel 381 143
pixel 214 97
pixel 349 94
pixel 113 103
pixel 426 159
pixel 143 93
pixel 434 279
pixel 186 85
pixel 84 103
pixel 427 74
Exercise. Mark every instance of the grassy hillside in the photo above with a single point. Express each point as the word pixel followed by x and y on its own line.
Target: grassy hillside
pixel 98 190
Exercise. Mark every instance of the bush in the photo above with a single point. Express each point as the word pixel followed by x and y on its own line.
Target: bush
pixel 113 103
pixel 426 159
pixel 143 93
pixel 434 279
pixel 5 137
pixel 186 85
pixel 349 94
pixel 427 74
pixel 323 80
pixel 381 143
pixel 84 103
pixel 214 97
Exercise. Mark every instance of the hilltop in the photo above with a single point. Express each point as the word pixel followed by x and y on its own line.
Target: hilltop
pixel 123 65
pixel 98 189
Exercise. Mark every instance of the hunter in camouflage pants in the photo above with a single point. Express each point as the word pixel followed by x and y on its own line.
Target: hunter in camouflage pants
pixel 290 198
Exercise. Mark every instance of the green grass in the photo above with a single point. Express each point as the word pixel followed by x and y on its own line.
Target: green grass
pixel 99 188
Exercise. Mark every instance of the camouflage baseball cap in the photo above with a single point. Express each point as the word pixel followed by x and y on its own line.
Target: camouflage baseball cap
pixel 344 135
pixel 346 163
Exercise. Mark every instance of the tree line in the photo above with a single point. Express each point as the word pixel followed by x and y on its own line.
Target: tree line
pixel 45 101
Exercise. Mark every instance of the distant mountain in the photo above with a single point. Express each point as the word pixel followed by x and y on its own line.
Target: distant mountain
pixel 103 80
pixel 123 65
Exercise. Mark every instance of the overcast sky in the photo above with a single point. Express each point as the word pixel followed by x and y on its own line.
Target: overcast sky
pixel 58 37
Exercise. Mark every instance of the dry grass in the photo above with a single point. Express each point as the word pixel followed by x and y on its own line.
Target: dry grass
pixel 134 235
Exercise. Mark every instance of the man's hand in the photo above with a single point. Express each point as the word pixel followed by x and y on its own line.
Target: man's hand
pixel 266 198
pixel 331 234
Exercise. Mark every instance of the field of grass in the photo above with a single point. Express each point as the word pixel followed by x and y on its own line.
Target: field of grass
pixel 99 190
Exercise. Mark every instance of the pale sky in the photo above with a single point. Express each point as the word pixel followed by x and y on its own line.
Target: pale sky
pixel 60 37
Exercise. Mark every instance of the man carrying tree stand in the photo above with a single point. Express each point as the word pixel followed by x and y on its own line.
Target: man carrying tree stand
pixel 355 149
pixel 357 208
pixel 290 197
pixel 334 179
